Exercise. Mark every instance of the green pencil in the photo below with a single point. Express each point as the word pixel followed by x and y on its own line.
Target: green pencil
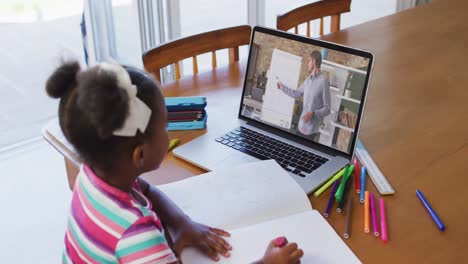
pixel 329 182
pixel 173 143
pixel 340 190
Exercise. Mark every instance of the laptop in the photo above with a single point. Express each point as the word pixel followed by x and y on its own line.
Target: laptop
pixel 309 116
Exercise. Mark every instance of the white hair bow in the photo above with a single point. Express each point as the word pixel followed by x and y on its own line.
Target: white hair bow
pixel 138 112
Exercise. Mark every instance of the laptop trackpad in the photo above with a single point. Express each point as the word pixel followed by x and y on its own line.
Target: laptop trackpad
pixel 235 159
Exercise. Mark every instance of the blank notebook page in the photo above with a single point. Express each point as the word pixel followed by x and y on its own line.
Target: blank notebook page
pixel 241 196
pixel 309 229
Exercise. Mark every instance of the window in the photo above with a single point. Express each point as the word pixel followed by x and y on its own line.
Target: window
pixel 35 35
pixel 206 15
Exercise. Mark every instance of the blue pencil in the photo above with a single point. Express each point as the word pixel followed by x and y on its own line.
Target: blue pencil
pixel 363 184
pixel 431 211
pixel 330 200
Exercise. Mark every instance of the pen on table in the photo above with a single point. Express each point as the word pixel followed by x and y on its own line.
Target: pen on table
pixel 341 187
pixel 331 199
pixel 347 232
pixel 357 180
pixel 329 182
pixel 383 221
pixel 346 191
pixel 363 183
pixel 173 143
pixel 431 211
pixel 375 227
pixel 366 212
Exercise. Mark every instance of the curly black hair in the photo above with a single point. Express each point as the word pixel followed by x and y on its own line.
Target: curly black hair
pixel 92 107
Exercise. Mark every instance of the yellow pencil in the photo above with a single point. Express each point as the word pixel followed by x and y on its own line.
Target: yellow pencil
pixel 366 212
pixel 173 143
pixel 329 182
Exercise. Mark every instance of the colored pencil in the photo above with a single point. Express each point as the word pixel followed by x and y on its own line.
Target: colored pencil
pixel 173 143
pixel 383 221
pixel 347 230
pixel 431 211
pixel 329 182
pixel 341 187
pixel 375 227
pixel 366 212
pixel 346 191
pixel 363 183
pixel 331 199
pixel 357 180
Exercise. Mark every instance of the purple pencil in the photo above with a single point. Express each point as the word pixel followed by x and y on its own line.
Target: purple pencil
pixel 330 200
pixel 375 227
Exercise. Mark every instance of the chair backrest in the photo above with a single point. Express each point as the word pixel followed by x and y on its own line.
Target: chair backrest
pixel 317 10
pixel 175 51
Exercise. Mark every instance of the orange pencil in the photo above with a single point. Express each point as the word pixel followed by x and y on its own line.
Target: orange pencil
pixel 366 212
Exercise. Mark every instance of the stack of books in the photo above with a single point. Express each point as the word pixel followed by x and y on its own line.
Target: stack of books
pixel 186 113
pixel 348 118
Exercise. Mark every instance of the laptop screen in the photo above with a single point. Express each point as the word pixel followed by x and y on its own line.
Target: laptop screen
pixel 309 88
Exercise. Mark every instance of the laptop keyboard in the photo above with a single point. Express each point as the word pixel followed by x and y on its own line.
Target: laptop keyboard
pixel 291 158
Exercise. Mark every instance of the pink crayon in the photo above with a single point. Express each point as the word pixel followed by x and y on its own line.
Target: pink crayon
pixel 383 221
pixel 281 241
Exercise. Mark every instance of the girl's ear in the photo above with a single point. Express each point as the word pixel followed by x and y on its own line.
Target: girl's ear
pixel 138 157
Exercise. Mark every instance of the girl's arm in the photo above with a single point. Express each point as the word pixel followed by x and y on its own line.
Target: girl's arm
pixel 186 232
pixel 167 211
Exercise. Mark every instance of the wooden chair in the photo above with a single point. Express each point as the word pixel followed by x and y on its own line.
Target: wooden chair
pixel 307 13
pixel 175 51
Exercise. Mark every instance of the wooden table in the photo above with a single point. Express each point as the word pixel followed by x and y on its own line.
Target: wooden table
pixel 415 127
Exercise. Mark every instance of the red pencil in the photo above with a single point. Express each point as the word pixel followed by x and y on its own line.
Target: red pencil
pixel 357 179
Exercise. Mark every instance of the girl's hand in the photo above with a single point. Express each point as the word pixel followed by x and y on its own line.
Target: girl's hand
pixel 207 239
pixel 288 254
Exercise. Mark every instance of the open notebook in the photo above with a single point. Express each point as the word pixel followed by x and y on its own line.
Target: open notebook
pixel 257 202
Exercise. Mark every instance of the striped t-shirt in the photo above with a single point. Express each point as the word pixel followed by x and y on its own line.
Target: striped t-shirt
pixel 107 225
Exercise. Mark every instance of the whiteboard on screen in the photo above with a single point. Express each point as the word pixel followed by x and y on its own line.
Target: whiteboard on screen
pixel 278 107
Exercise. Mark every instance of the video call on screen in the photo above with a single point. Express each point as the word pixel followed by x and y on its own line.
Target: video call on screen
pixel 309 91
